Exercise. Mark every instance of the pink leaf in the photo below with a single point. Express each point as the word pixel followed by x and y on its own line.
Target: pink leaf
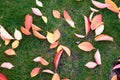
pixel 37 59
pixel 87 25
pixel 39 3
pixel 117 66
pixel 43 61
pixel 93 9
pixel 34 72
pixel 91 64
pixel 36 11
pixel 99 30
pixel 28 21
pixel 48 71
pixel 99 4
pixel 97 57
pixel 7 65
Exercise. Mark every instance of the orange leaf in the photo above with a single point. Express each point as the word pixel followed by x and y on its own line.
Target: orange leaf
pixel 56 14
pixel 103 37
pixel 7 41
pixel 3 77
pixel 66 49
pixel 10 52
pixel 68 19
pixel 86 46
pixel 112 6
pixel 56 77
pixel 87 25
pixel 99 4
pixel 25 31
pixel 57 58
pixel 54 45
pixel 48 71
pixel 28 21
pixel 91 64
pixel 36 28
pixel 114 77
pixel 43 61
pixel 57 35
pixel 97 57
pixel 95 21
pixel 35 72
pixel 15 44
pixel 38 35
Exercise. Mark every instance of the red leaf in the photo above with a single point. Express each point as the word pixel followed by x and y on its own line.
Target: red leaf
pixel 57 58
pixel 28 21
pixel 3 77
pixel 25 31
pixel 35 72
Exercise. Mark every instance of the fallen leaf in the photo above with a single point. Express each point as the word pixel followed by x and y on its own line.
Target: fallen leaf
pixel 43 61
pixel 68 19
pixel 7 41
pixel 87 25
pixel 54 45
pixel 93 9
pixel 59 48
pixel 86 46
pixel 91 64
pixel 39 3
pixel 91 16
pixel 56 14
pixel 112 6
pixel 103 37
pixel 28 21
pixel 36 11
pixel 36 28
pixel 99 30
pixel 25 31
pixel 44 19
pixel 7 65
pixel 97 57
pixel 65 79
pixel 5 34
pixel 35 72
pixel 17 34
pixel 99 4
pixel 57 34
pixel 116 67
pixel 114 77
pixel 3 77
pixel 57 58
pixel 96 21
pixel 38 35
pixel 15 44
pixel 79 36
pixel 119 15
pixel 37 59
pixel 48 71
pixel 56 76
pixel 50 37
pixel 66 49
pixel 10 52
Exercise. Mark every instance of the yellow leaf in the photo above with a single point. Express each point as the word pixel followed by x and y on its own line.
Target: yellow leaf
pixel 67 50
pixel 57 35
pixel 59 48
pixel 56 77
pixel 114 77
pixel 7 41
pixel 50 37
pixel 15 44
pixel 44 19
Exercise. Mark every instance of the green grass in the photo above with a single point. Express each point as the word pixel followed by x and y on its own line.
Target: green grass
pixel 12 13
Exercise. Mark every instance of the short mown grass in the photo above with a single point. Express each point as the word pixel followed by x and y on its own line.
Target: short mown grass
pixel 12 13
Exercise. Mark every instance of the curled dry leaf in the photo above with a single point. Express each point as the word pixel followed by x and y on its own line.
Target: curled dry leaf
pixel 103 37
pixel 91 64
pixel 79 36
pixel 28 21
pixel 35 72
pixel 96 21
pixel 43 61
pixel 93 9
pixel 68 19
pixel 99 30
pixel 44 19
pixel 25 31
pixel 91 16
pixel 116 67
pixel 66 49
pixel 17 34
pixel 56 76
pixel 39 3
pixel 97 57
pixel 7 65
pixel 99 4
pixel 4 34
pixel 48 71
pixel 10 52
pixel 112 6
pixel 86 46
pixel 3 77
pixel 57 58
pixel 114 77
pixel 54 45
pixel 38 35
pixel 36 11
pixel 36 28
pixel 57 34
pixel 87 25
pixel 15 44
pixel 56 14
pixel 7 41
